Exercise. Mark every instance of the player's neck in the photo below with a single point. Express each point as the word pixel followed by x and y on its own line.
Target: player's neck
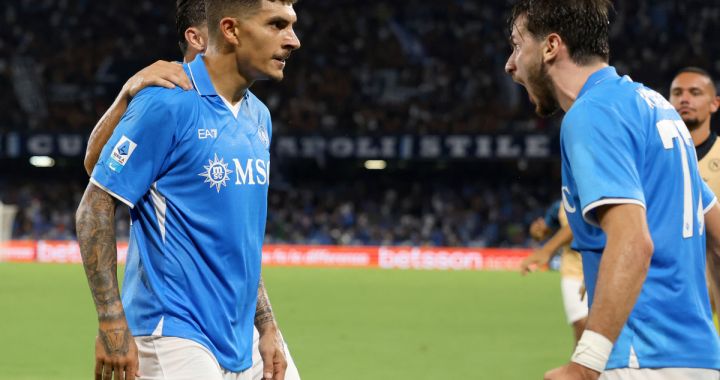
pixel 225 76
pixel 701 133
pixel 569 78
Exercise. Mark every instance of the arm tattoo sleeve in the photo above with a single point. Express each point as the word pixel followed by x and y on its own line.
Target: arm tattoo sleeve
pixel 263 311
pixel 95 221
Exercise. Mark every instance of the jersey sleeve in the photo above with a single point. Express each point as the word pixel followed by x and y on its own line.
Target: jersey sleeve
pixel 602 154
pixel 708 197
pixel 138 148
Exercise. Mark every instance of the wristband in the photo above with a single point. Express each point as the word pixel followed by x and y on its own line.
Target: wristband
pixel 592 351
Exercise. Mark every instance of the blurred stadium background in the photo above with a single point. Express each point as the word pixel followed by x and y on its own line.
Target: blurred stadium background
pixel 394 127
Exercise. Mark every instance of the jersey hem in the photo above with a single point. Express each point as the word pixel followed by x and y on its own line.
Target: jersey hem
pixel 710 363
pixel 201 340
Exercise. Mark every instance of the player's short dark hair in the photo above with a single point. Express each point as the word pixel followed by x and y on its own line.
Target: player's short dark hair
pixel 217 9
pixel 694 70
pixel 582 24
pixel 699 71
pixel 189 13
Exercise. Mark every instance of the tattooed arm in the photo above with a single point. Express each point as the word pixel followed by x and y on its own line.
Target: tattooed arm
pixel 271 346
pixel 263 312
pixel 115 349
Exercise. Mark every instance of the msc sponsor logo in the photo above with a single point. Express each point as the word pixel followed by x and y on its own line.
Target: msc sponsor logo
pixel 121 154
pixel 250 172
pixel 216 173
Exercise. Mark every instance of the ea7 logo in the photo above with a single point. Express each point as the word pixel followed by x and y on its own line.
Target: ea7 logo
pixel 207 133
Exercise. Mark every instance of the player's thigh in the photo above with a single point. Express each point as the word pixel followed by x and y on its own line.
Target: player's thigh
pixel 661 374
pixel 170 358
pixel 576 307
pixel 256 371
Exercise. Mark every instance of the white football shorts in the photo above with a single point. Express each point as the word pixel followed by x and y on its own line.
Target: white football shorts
pixel 575 308
pixel 171 358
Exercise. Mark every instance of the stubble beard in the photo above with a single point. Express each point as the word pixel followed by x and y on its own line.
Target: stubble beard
pixel 692 124
pixel 546 101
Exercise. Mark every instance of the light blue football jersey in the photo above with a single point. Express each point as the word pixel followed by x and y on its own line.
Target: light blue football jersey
pixel 196 177
pixel 622 142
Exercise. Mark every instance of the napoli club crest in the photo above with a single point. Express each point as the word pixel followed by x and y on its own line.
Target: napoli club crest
pixel 263 136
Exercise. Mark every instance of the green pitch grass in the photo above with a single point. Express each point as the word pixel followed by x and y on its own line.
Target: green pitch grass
pixel 340 323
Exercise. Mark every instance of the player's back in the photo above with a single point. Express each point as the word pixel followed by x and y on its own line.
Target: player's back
pixel 624 143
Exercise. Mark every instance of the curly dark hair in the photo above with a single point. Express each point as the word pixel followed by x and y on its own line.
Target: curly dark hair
pixel 582 24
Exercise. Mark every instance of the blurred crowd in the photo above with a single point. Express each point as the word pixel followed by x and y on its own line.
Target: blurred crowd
pixel 47 211
pixel 460 213
pixel 364 68
pixel 465 213
pixel 380 67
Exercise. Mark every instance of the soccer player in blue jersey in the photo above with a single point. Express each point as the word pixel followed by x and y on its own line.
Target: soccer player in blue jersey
pixel 194 168
pixel 633 196
pixel 192 37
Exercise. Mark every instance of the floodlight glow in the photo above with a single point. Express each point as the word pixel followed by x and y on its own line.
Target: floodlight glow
pixel 375 164
pixel 42 161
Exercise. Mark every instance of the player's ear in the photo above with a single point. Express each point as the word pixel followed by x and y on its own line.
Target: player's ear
pixel 229 30
pixel 551 47
pixel 195 38
pixel 715 104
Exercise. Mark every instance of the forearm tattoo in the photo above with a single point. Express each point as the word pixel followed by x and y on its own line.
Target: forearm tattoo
pixel 263 311
pixel 96 236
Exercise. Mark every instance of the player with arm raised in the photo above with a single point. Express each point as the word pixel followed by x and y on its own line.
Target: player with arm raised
pixel 192 288
pixel 633 195
pixel 694 96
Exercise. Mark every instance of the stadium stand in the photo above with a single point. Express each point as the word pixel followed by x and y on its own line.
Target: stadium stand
pixel 411 67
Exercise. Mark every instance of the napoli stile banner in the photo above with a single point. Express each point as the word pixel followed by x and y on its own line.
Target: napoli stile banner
pixel 314 147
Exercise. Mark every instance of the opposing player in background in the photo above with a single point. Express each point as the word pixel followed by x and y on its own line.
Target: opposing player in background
pixel 192 39
pixel 633 195
pixel 554 227
pixel 694 96
pixel 192 283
